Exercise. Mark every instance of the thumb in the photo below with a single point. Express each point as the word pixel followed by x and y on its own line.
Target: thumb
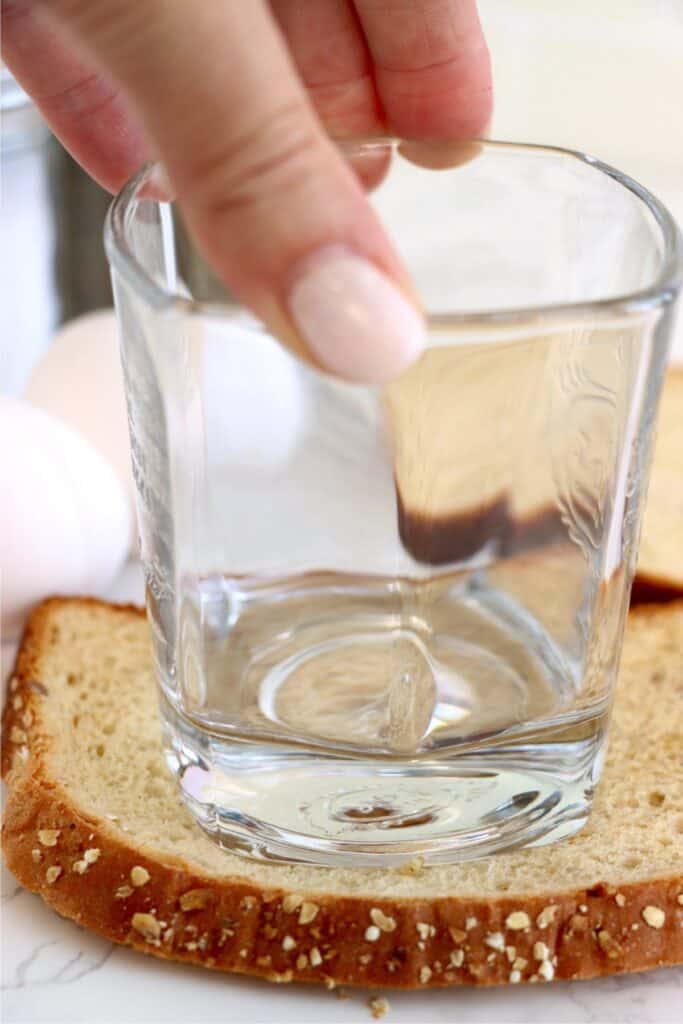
pixel 274 207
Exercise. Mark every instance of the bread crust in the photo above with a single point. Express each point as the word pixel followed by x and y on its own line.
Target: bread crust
pixel 231 924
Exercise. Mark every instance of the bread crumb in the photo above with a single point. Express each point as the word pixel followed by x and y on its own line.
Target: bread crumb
pixel 36 856
pixel 301 961
pixel 519 963
pixel 457 934
pixel 496 941
pixel 17 735
pixel 517 921
pixel 308 912
pixel 365 959
pixel 168 935
pixel 679 899
pixel 139 876
pixel 425 974
pixel 654 917
pixel 424 930
pixel 372 933
pixel 379 1006
pixel 17 703
pixel 490 958
pixel 546 970
pixel 541 951
pixel 471 923
pixel 412 867
pixel 578 923
pixel 193 899
pixel 291 902
pixel 123 892
pixel 91 855
pixel 620 899
pixel 27 718
pixel 315 957
pixel 583 908
pixel 13 685
pixel 382 920
pixel 21 754
pixel 52 874
pixel 48 836
pixel 457 957
pixel 288 943
pixel 515 977
pixel 80 867
pixel 147 926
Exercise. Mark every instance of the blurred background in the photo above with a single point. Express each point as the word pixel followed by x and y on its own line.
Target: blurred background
pixel 606 78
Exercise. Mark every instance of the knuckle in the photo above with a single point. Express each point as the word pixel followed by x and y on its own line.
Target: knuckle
pixel 277 154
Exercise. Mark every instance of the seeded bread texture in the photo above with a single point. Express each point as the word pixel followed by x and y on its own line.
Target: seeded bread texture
pixel 94 824
pixel 660 559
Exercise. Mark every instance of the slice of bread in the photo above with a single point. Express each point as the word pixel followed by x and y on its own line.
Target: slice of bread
pixel 660 560
pixel 95 825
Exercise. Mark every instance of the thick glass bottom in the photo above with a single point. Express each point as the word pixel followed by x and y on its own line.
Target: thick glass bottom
pixel 289 803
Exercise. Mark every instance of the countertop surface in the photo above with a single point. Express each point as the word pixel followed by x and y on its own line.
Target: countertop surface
pixel 595 97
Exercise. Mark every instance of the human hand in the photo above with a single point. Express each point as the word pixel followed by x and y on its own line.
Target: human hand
pixel 238 99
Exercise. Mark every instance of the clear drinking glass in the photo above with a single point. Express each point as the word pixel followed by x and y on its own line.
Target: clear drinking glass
pixel 386 622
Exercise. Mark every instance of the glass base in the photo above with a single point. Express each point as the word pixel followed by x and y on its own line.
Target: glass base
pixel 287 803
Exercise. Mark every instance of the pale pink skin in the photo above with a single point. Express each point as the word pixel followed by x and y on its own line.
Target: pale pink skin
pixel 235 99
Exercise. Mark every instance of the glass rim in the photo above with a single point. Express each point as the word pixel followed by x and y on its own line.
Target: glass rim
pixel 660 292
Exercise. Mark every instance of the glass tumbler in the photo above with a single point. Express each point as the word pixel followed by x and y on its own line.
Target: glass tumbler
pixel 386 622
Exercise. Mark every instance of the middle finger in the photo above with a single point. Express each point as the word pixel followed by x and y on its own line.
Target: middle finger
pixel 332 58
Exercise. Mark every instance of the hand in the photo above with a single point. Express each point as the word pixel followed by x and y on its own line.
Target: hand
pixel 237 99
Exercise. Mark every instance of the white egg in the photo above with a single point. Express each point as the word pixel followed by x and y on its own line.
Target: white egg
pixel 65 520
pixel 255 402
pixel 79 380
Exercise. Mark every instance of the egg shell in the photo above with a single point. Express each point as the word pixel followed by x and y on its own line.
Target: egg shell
pixel 79 380
pixel 65 520
pixel 255 400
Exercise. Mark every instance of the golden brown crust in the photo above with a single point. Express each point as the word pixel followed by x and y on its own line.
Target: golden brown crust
pixel 230 924
pixel 652 590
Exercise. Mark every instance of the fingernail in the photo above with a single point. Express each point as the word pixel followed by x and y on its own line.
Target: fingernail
pixel 353 318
